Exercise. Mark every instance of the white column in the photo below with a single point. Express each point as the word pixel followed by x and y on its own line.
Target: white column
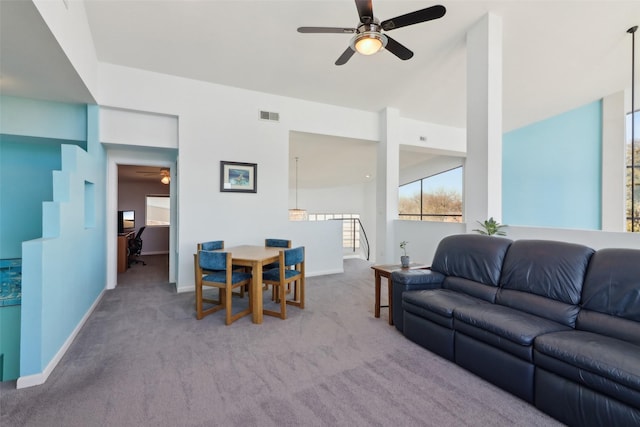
pixel 387 180
pixel 613 163
pixel 483 166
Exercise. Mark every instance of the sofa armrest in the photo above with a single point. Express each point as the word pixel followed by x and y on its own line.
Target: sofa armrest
pixel 411 280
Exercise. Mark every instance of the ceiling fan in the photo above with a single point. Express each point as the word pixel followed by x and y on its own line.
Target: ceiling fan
pixel 369 38
pixel 163 173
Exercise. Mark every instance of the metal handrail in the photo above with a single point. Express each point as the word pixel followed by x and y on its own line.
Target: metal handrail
pixel 364 241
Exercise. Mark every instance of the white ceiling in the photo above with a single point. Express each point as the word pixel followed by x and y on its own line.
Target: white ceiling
pixel 557 55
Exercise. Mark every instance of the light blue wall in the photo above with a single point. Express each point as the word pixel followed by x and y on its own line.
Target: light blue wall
pixel 26 166
pixel 31 134
pixel 64 272
pixel 63 269
pixel 551 171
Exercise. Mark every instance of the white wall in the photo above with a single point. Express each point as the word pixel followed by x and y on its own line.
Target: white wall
pixel 222 123
pixel 424 237
pixel 68 23
pixel 430 167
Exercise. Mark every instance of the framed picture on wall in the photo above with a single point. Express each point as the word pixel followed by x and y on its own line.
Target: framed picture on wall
pixel 238 177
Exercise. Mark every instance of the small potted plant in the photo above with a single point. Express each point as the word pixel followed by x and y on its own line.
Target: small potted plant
pixel 404 259
pixel 491 227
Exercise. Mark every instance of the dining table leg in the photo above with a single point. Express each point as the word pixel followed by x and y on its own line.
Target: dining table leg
pixel 256 289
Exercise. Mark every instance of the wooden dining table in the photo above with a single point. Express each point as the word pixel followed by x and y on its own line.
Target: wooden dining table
pixel 254 257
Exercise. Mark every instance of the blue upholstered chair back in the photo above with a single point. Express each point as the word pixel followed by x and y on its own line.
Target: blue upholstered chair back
pixel 277 243
pixel 293 256
pixel 214 245
pixel 213 260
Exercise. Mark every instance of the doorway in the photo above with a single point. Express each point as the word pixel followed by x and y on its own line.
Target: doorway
pixel 143 237
pixel 133 173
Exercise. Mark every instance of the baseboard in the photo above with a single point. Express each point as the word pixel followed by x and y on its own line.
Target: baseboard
pixel 185 288
pixel 40 378
pixel 154 253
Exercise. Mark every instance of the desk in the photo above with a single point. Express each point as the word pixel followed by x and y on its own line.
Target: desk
pixel 123 250
pixel 254 257
pixel 385 271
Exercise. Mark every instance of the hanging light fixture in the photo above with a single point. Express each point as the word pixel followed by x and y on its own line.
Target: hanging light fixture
pixel 369 42
pixel 166 177
pixel 632 31
pixel 297 214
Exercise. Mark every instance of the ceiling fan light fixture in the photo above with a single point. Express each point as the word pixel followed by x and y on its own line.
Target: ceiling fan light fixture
pixel 166 178
pixel 368 42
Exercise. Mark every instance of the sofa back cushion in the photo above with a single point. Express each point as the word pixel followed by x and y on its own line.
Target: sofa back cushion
pixel 544 278
pixel 611 295
pixel 471 256
pixel 471 287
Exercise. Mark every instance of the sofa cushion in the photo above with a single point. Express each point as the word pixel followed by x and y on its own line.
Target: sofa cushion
pixel 611 326
pixel 611 295
pixel 503 327
pixel 436 305
pixel 540 306
pixel 602 363
pixel 471 256
pixel 549 269
pixel 470 287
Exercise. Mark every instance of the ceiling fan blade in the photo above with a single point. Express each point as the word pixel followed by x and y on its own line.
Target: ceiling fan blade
pixel 398 49
pixel 428 14
pixel 365 11
pixel 346 55
pixel 326 30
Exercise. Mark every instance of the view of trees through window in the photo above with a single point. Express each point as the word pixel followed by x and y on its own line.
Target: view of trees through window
pixel 434 198
pixel 633 169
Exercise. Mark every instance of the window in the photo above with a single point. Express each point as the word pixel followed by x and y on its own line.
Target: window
pixel 633 175
pixel 434 198
pixel 158 210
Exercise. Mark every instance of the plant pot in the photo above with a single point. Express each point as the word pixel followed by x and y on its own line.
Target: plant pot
pixel 405 261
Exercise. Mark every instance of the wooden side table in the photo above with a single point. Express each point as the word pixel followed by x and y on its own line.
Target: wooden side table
pixel 385 271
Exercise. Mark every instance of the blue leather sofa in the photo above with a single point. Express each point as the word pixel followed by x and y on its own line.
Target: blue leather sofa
pixel 554 323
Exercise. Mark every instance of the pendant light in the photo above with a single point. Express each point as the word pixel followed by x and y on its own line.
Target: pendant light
pixel 297 214
pixel 632 31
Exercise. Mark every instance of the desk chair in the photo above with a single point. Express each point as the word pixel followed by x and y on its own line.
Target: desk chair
pixel 135 248
pixel 290 271
pixel 215 269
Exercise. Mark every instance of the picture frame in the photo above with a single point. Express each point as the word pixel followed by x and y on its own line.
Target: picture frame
pixel 238 177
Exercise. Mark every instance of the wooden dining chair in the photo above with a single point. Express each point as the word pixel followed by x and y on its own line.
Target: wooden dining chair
pixel 215 245
pixel 275 243
pixel 289 272
pixel 215 269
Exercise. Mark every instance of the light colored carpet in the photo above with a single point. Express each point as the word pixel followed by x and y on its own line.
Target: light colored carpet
pixel 143 359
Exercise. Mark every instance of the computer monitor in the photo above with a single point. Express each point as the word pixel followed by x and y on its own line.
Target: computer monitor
pixel 126 221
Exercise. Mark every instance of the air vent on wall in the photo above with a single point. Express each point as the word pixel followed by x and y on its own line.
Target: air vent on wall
pixel 269 115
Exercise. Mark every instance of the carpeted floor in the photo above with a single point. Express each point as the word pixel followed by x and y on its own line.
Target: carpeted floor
pixel 143 359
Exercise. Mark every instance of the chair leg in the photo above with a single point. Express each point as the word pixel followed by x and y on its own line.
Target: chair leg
pixel 198 301
pixel 227 304
pixel 283 301
pixel 302 292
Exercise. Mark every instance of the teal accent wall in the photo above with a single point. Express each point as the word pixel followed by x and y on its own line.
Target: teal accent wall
pixel 64 272
pixel 53 191
pixel 552 171
pixel 26 166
